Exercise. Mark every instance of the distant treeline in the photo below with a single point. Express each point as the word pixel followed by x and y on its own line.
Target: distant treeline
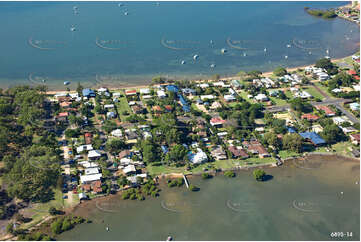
pixel 327 14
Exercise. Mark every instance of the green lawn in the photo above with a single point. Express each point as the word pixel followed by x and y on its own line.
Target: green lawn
pixel 219 164
pixel 122 106
pixel 278 101
pixel 289 94
pixel 286 153
pixel 244 95
pixel 314 92
pixel 323 88
pixel 41 210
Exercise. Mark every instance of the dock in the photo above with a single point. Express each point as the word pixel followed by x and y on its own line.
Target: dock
pixel 185 181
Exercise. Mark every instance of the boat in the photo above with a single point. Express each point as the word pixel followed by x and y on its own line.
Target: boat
pixel 120 4
pixel 72 29
pixel 169 238
pixel 265 49
pixel 195 57
pixel 211 42
pixel 286 56
pixel 310 53
pixel 244 54
pixel 75 7
pixel 107 228
pixel 288 46
pixel 327 51
pixel 223 50
pixel 126 13
pixel 213 65
pixel 183 62
pixel 43 80
pixel 66 83
pixel 327 57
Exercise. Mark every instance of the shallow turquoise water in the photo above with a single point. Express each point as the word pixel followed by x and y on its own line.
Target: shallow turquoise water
pixel 37 42
pixel 297 204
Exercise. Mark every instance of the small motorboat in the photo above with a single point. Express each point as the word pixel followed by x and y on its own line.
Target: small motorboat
pixel 120 4
pixel 223 50
pixel 43 80
pixel 183 62
pixel 244 54
pixel 310 53
pixel 66 83
pixel 286 56
pixel 75 7
pixel 72 29
pixel 265 49
pixel 213 65
pixel 195 57
pixel 107 228
pixel 169 238
pixel 211 42
pixel 126 13
pixel 288 46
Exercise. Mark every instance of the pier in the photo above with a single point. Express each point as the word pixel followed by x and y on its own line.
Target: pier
pixel 185 181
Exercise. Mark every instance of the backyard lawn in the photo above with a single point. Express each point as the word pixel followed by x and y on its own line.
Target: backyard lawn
pixel 314 92
pixel 122 106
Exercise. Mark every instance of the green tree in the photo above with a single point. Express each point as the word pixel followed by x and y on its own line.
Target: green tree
pixel 280 71
pixel 259 174
pixel 326 64
pixel 332 134
pixel 292 142
pixel 115 145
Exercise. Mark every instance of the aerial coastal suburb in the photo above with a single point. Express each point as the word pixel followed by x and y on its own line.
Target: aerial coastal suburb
pixel 250 135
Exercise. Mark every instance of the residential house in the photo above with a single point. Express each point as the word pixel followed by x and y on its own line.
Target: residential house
pixel 261 97
pixel 137 109
pixel 310 117
pixel 130 92
pixel 355 139
pixel 328 111
pixel 218 153
pixel 94 154
pixel 88 138
pixel 117 133
pixel 229 98
pixel 215 105
pixel 87 92
pixel 238 153
pixel 83 148
pixel 161 94
pixel 198 157
pixel 314 138
pixel 217 121
pixel 144 91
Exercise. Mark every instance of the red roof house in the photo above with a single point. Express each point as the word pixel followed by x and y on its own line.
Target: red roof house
pixel 310 117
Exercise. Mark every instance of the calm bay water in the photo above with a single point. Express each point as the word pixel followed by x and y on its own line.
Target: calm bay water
pixel 297 204
pixel 111 47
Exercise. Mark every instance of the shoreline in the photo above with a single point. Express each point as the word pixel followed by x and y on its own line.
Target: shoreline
pixel 235 169
pixel 120 87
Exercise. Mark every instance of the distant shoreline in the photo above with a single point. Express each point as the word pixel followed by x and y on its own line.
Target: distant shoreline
pixel 117 87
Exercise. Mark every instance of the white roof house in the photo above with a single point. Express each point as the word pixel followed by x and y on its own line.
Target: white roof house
pixel 74 95
pixel 161 94
pixel 356 87
pixel 147 96
pixel 109 106
pixel 90 171
pixel 218 84
pixel 303 94
pixel 116 94
pixel 338 120
pixel 87 164
pixel 207 97
pixel 84 148
pixel 102 89
pixel 144 91
pixel 336 90
pixel 203 85
pixel 129 169
pixel 229 98
pixel 111 115
pixel 94 154
pixel 261 97
pixel 117 133
pixel 199 157
pixel 90 178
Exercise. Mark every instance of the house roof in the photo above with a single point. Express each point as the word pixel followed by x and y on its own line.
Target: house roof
pixel 88 92
pixel 130 92
pixel 355 137
pixel 172 88
pixel 309 116
pixel 326 109
pixel 64 114
pixel 157 108
pixel 352 72
pixel 217 120
pixel 315 138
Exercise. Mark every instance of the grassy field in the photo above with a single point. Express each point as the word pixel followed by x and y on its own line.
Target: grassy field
pixel 244 94
pixel 314 92
pixel 323 88
pixel 219 164
pixel 41 210
pixel 278 101
pixel 286 153
pixel 122 106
